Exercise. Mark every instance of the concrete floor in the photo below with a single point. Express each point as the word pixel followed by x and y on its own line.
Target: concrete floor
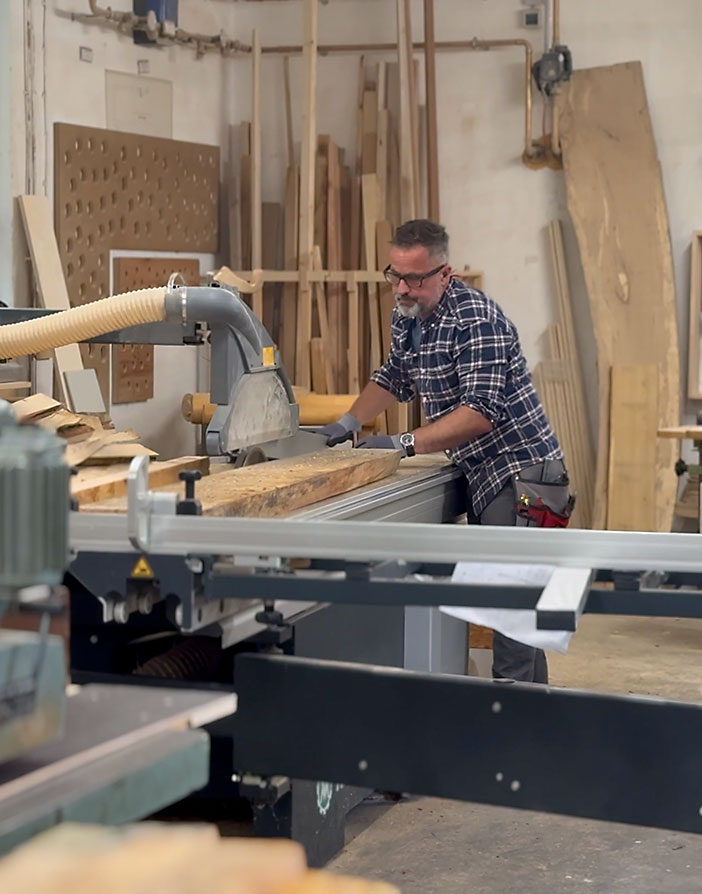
pixel 429 845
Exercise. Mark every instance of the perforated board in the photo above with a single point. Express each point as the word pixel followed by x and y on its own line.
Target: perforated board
pixel 133 365
pixel 116 190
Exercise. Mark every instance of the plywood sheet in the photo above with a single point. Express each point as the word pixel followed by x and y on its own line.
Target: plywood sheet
pixel 133 365
pixel 277 488
pixel 616 201
pixel 632 449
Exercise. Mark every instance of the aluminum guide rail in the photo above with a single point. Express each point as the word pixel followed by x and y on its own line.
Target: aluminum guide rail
pixel 377 541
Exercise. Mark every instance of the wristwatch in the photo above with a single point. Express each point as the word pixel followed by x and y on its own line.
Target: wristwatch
pixel 407 443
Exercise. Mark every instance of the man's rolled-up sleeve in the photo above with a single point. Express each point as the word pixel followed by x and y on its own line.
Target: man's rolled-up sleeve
pixel 482 354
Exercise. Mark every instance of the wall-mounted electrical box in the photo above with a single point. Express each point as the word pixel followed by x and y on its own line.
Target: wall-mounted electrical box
pixel 530 17
pixel 161 19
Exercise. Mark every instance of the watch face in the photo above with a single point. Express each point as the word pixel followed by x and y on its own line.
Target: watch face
pixel 407 440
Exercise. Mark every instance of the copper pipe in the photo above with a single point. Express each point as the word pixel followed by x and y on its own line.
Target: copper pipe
pixel 474 44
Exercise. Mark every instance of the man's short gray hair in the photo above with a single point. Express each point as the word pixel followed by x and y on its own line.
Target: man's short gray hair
pixel 431 235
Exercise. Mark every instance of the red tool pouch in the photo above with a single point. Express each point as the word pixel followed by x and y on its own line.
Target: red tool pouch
pixel 543 504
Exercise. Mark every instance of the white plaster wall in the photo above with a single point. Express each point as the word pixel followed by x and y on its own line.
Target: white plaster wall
pixel 495 209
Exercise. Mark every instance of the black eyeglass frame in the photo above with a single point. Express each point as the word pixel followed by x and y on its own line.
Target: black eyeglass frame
pixel 416 283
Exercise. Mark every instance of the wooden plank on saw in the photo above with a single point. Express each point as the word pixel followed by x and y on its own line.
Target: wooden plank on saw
pixel 48 274
pixel 92 484
pixel 307 178
pixel 632 448
pixel 616 201
pixel 277 488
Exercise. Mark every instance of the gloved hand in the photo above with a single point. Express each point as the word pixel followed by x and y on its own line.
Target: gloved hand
pixel 343 430
pixel 381 442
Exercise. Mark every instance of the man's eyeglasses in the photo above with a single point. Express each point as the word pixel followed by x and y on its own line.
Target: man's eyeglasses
pixel 412 280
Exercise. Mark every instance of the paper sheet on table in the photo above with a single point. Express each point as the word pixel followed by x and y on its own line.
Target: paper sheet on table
pixel 516 623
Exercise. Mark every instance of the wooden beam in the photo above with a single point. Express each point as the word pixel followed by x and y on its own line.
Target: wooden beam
pixel 354 351
pixel 288 111
pixel 256 212
pixel 430 100
pixel 48 276
pixel 337 348
pixel 408 201
pixel 280 487
pixel 91 485
pixel 290 249
pixel 369 189
pixel 325 347
pixel 632 448
pixel 307 172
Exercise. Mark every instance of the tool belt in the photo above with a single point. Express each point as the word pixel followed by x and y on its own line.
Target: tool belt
pixel 544 503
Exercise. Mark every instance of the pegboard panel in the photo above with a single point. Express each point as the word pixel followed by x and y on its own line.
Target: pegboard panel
pixel 115 190
pixel 133 365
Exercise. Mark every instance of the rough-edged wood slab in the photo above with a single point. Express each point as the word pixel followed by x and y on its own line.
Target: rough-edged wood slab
pixel 616 201
pixel 277 488
pixel 94 483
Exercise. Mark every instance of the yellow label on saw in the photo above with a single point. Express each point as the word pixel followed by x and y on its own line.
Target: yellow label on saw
pixel 142 569
pixel 269 356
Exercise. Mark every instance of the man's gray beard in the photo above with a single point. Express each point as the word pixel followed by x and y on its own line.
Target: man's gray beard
pixel 411 311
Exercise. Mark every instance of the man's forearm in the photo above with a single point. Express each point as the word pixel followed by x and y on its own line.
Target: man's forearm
pixel 457 427
pixel 372 401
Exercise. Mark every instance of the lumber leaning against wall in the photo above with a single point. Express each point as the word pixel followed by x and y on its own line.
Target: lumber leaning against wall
pixel 616 201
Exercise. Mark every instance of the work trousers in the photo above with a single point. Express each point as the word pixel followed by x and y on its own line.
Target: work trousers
pixel 513 660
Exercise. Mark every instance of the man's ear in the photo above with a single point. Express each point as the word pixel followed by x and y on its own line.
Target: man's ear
pixel 448 270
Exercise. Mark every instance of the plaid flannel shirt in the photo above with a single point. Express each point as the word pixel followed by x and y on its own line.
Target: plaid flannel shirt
pixel 469 356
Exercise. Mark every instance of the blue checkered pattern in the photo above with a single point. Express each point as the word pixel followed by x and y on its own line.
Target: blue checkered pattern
pixel 470 356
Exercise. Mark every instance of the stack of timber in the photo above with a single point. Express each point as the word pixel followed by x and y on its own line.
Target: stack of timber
pixel 160 857
pixel 617 205
pixel 315 260
pixel 559 384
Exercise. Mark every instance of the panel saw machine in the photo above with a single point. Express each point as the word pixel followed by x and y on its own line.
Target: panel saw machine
pixel 325 633
pixel 140 618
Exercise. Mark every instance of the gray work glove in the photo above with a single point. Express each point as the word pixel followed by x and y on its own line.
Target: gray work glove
pixel 343 430
pixel 381 442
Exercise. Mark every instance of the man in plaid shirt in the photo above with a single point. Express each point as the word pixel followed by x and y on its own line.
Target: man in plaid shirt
pixel 454 348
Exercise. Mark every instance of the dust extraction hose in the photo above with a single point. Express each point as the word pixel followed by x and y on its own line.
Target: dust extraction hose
pixel 80 323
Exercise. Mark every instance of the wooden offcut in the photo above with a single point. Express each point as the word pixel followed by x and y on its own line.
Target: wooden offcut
pixel 93 484
pixel 632 448
pixel 177 858
pixel 616 201
pixel 277 488
pixel 694 380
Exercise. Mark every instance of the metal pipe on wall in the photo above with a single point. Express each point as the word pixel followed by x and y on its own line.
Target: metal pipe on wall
pixel 556 22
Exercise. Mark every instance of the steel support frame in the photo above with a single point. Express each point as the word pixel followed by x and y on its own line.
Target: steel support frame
pixel 615 758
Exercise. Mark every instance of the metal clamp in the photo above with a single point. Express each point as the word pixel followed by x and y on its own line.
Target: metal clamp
pixel 142 504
